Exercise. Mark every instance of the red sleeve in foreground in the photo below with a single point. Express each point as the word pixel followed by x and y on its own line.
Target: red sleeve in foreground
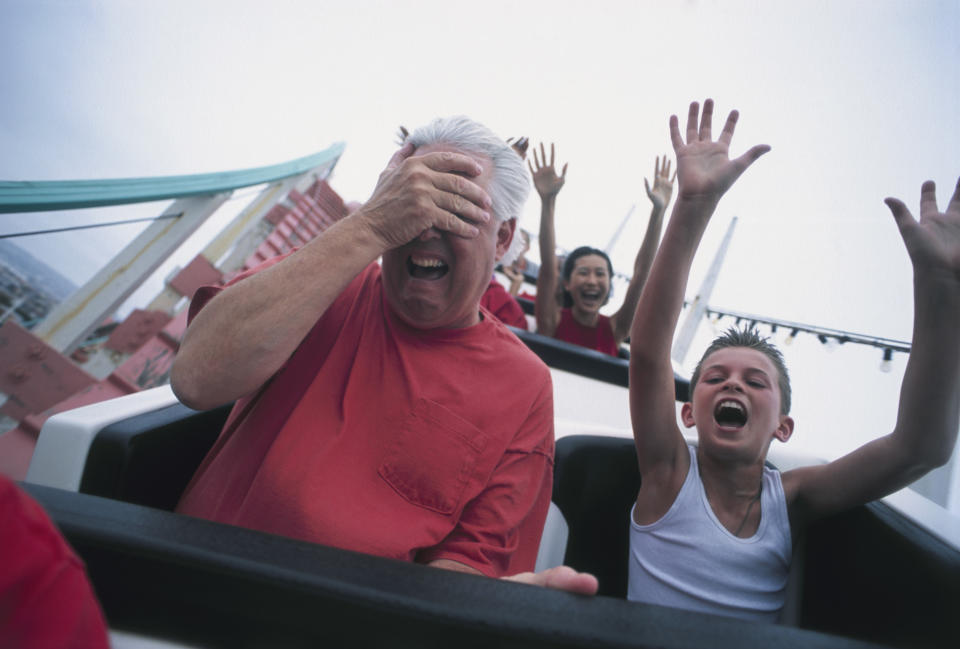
pixel 46 601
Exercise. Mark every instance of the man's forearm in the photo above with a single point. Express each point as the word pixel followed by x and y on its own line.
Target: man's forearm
pixel 246 333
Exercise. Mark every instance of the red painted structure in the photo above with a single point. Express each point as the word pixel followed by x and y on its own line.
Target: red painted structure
pixel 40 381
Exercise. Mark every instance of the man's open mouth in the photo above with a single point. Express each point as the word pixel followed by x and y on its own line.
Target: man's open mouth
pixel 730 413
pixel 426 267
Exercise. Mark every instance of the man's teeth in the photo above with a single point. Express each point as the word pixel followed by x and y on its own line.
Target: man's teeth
pixel 427 262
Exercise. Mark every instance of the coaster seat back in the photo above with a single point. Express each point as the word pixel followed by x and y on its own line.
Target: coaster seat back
pixel 595 485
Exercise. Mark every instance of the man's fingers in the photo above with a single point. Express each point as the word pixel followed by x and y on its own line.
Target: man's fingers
pixel 560 578
pixel 460 207
pixel 928 198
pixel 563 172
pixel 646 185
pixel 457 226
pixel 395 161
pixel 402 154
pixel 706 122
pixel 552 154
pixel 460 186
pixel 692 115
pixel 448 161
pixel 727 134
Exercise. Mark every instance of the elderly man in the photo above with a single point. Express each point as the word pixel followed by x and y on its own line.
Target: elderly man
pixel 382 409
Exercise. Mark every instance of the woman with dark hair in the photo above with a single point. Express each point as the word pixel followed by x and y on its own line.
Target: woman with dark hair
pixel 587 272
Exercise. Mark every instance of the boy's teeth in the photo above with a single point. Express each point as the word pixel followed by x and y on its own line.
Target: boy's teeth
pixel 730 404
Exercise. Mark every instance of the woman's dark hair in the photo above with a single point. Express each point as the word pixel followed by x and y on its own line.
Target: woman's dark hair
pixel 571 261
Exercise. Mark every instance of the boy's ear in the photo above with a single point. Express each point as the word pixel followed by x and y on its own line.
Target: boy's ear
pixel 686 414
pixel 785 429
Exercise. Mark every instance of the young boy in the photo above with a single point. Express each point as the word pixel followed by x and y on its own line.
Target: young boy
pixel 712 528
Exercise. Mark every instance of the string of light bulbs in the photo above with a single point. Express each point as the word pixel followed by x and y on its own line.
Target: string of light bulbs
pixel 826 335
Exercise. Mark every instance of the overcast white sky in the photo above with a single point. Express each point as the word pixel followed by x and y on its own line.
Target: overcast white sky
pixel 859 100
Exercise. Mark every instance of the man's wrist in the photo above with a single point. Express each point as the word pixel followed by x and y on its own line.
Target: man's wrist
pixel 359 235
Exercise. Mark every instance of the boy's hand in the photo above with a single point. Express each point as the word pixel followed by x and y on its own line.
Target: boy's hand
pixel 662 184
pixel 704 167
pixel 933 242
pixel 545 177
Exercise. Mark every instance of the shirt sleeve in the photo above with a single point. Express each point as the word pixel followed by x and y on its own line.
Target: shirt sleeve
pixel 45 597
pixel 499 530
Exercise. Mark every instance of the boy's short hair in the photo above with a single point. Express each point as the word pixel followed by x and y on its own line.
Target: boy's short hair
pixel 750 338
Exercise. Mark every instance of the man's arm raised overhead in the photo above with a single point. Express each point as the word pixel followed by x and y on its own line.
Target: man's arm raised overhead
pixel 705 172
pixel 245 334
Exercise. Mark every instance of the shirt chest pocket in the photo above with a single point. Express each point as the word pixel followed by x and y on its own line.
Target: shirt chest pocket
pixel 432 458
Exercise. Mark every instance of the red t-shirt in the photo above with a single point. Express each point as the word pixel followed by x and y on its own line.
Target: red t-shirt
pixel 599 337
pixel 498 301
pixel 46 601
pixel 389 440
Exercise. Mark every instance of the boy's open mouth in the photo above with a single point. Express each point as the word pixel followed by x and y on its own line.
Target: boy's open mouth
pixel 426 267
pixel 730 413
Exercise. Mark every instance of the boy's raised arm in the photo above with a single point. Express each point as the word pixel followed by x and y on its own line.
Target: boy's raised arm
pixel 705 173
pixel 929 412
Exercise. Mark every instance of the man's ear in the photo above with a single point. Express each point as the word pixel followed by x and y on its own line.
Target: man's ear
pixel 504 236
pixel 785 429
pixel 686 415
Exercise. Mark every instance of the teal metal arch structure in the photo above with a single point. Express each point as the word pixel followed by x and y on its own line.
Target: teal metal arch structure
pixel 48 195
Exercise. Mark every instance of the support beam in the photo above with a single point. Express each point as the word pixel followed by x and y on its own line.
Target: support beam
pixel 72 320
pixel 619 230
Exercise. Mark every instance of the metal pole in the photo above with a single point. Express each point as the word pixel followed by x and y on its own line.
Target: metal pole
pixel 619 231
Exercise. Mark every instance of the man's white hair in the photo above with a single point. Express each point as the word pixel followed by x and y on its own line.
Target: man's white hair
pixel 510 185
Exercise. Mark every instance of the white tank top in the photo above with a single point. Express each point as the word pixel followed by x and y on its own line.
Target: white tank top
pixel 689 560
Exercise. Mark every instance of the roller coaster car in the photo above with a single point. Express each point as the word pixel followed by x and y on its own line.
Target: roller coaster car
pixel 110 474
